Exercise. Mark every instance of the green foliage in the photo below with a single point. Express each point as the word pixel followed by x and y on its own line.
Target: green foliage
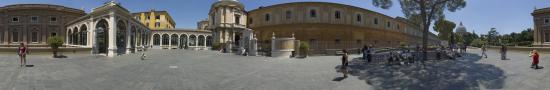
pixel 304 49
pixel 444 28
pixel 427 10
pixel 524 38
pixel 478 42
pixel 492 37
pixel 55 42
pixel 402 44
pixel 216 46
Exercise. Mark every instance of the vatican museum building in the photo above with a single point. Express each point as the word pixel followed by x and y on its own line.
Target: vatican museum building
pixel 34 23
pixel 332 26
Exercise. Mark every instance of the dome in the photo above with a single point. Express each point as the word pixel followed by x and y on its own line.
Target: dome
pixel 461 29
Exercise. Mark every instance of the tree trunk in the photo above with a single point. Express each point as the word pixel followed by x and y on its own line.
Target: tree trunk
pixel 54 52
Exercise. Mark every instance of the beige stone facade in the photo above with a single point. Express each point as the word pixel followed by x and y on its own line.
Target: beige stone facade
pixel 34 23
pixel 541 19
pixel 333 26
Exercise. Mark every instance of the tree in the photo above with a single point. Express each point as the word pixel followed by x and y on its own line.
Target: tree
pixel 444 28
pixel 492 36
pixel 428 10
pixel 55 42
pixel 478 42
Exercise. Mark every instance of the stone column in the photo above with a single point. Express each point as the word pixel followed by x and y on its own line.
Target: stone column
pixel 169 41
pixel 253 47
pixel 112 35
pixel 127 37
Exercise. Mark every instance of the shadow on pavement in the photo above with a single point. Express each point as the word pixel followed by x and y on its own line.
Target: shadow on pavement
pixel 460 74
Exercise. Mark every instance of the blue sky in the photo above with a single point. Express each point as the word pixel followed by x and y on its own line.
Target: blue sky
pixel 479 15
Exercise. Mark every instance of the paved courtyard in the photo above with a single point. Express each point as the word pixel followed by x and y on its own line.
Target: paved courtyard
pixel 209 70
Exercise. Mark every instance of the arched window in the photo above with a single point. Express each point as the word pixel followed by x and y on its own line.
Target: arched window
pixel 70 36
pixel 75 36
pixel 201 40
pixel 208 40
pixel 165 39
pixel 83 35
pixel 312 13
pixel 192 40
pixel 174 40
pixel 156 39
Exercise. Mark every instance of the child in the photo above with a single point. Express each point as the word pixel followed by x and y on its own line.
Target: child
pixel 535 63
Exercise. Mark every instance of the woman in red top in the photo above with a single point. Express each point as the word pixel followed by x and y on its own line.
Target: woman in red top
pixel 22 54
pixel 535 56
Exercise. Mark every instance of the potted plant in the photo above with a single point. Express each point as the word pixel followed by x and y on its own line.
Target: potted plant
pixel 55 42
pixel 304 49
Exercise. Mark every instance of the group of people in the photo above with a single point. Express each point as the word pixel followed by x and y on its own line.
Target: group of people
pixel 367 52
pixel 503 50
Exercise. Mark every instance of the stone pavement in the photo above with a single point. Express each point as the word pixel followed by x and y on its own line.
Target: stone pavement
pixel 209 70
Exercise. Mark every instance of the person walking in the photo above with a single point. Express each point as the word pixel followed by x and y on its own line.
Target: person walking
pixel 484 51
pixel 503 52
pixel 364 52
pixel 535 55
pixel 370 51
pixel 22 54
pixel 343 67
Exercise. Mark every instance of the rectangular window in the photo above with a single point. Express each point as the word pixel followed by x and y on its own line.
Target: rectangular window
pixel 34 37
pixel 15 37
pixel 157 17
pixel 267 17
pixel 53 19
pixel 237 19
pixel 288 14
pixel 15 19
pixel 358 17
pixel 376 21
pixel 337 41
pixel 313 13
pixel 311 41
pixel 157 24
pixel 337 14
pixel 34 18
pixel 546 20
pixel 53 34
pixel 388 24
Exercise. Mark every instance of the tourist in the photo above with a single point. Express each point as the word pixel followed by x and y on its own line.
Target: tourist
pixel 22 54
pixel 364 51
pixel 343 67
pixel 370 51
pixel 483 51
pixel 503 52
pixel 535 62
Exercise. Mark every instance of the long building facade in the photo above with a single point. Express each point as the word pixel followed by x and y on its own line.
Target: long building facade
pixel 333 26
pixel 34 23
pixel 111 29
